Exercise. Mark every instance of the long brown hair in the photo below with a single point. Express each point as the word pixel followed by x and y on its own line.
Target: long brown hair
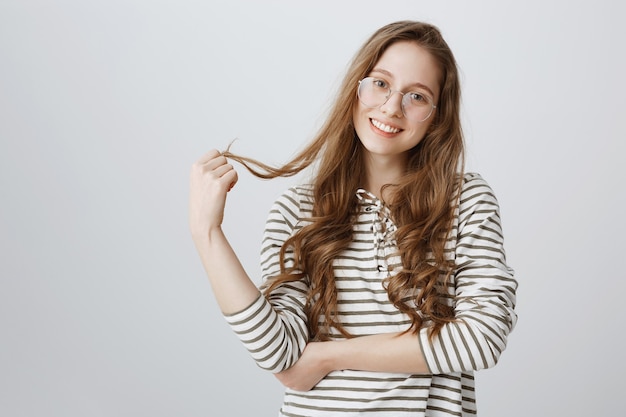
pixel 422 203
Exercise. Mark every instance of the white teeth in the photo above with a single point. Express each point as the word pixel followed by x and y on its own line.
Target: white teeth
pixel 384 127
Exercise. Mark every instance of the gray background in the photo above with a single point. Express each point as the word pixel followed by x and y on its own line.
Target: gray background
pixel 104 106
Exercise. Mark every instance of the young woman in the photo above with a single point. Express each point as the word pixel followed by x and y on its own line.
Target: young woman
pixel 385 283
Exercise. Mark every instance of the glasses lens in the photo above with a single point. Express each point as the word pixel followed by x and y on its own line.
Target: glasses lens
pixel 417 106
pixel 372 92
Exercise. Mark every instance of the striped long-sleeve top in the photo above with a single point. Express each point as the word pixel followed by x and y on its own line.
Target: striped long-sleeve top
pixel 482 290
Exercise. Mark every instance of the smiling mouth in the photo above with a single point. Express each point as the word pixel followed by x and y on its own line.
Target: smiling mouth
pixel 385 128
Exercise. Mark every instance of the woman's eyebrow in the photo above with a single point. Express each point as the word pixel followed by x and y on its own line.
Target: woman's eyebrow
pixel 416 84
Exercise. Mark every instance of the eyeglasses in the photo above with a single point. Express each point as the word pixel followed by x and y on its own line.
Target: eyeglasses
pixel 374 92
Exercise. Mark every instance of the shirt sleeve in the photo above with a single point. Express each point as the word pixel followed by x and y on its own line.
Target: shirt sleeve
pixel 274 329
pixel 485 289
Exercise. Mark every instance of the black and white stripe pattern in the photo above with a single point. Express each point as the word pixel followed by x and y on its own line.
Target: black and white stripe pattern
pixel 482 291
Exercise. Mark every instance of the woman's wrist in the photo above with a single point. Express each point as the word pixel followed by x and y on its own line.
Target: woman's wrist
pixel 326 355
pixel 332 355
pixel 204 236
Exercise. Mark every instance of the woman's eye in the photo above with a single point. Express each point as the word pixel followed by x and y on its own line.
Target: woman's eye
pixel 418 98
pixel 380 84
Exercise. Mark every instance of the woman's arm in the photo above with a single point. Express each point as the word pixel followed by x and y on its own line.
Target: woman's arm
pixel 211 179
pixel 388 352
pixel 274 331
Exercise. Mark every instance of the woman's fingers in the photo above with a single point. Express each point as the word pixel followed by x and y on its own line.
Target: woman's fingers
pixel 212 176
pixel 210 161
pixel 227 175
pixel 218 169
pixel 212 154
pixel 216 165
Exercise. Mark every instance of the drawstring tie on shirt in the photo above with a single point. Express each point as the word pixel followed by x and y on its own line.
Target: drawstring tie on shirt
pixel 382 227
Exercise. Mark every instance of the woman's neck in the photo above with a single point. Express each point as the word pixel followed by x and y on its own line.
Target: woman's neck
pixel 380 171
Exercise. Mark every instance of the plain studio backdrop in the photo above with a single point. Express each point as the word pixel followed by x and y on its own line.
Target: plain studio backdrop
pixel 104 306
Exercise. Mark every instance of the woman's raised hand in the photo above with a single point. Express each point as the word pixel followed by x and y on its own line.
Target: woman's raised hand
pixel 212 177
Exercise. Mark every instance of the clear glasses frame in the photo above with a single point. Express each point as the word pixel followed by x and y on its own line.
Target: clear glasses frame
pixel 428 108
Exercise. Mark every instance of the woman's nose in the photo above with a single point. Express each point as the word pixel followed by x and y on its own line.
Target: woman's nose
pixel 393 106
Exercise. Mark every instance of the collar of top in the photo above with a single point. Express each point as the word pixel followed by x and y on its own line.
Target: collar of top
pixel 369 200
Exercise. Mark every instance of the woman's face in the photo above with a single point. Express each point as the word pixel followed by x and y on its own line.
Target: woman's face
pixel 385 131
